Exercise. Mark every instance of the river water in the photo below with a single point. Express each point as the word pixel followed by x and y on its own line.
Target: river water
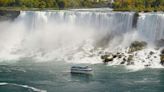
pixel 56 77
pixel 39 47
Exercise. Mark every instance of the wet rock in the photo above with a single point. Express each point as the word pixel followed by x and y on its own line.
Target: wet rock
pixel 114 56
pixel 124 59
pixel 148 57
pixel 118 53
pixel 137 45
pixel 143 61
pixel 162 51
pixel 119 56
pixel 151 53
pixel 123 62
pixel 132 63
pixel 162 59
pixel 135 19
pixel 130 58
pixel 129 63
pixel 107 58
pixel 147 65
pixel 8 15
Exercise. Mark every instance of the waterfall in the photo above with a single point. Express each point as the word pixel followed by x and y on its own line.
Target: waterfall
pixel 150 25
pixel 75 34
pixel 117 22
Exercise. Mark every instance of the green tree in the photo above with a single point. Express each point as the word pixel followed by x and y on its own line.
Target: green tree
pixel 61 4
pixel 49 3
pixel 42 4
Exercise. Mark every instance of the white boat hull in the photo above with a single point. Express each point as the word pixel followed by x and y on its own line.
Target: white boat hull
pixel 80 71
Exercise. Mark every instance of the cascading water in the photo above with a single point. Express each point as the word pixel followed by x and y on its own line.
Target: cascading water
pixel 151 26
pixel 76 36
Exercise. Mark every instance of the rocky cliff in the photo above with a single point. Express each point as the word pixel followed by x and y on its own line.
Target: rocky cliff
pixel 8 15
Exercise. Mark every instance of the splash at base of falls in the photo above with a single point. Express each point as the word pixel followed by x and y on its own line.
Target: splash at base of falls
pixel 146 58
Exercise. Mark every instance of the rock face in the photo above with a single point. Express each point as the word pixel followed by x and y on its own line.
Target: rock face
pixel 162 52
pixel 135 19
pixel 137 45
pixel 162 57
pixel 8 15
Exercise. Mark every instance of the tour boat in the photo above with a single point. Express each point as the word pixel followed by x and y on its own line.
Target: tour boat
pixel 81 69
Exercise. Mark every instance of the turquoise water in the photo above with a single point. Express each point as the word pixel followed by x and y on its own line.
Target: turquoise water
pixel 55 77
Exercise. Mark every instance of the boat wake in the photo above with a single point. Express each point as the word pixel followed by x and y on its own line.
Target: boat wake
pixel 24 86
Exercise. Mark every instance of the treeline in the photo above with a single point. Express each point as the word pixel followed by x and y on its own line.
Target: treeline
pixel 47 3
pixel 147 5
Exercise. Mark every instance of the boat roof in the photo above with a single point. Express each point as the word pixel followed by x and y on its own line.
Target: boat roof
pixel 79 67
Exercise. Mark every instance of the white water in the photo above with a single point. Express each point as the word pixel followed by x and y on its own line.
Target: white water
pixel 24 86
pixel 151 25
pixel 78 36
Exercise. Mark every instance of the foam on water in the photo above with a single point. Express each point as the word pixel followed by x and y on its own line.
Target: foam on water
pixel 24 86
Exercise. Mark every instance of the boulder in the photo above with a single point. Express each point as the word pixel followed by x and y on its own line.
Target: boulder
pixel 119 56
pixel 129 60
pixel 162 51
pixel 137 45
pixel 107 58
pixel 123 62
pixel 147 65
pixel 151 53
pixel 114 56
pixel 162 59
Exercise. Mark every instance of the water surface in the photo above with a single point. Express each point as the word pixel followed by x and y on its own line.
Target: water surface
pixel 56 77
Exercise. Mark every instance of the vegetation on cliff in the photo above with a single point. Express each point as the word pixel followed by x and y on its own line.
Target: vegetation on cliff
pixel 138 5
pixel 54 4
